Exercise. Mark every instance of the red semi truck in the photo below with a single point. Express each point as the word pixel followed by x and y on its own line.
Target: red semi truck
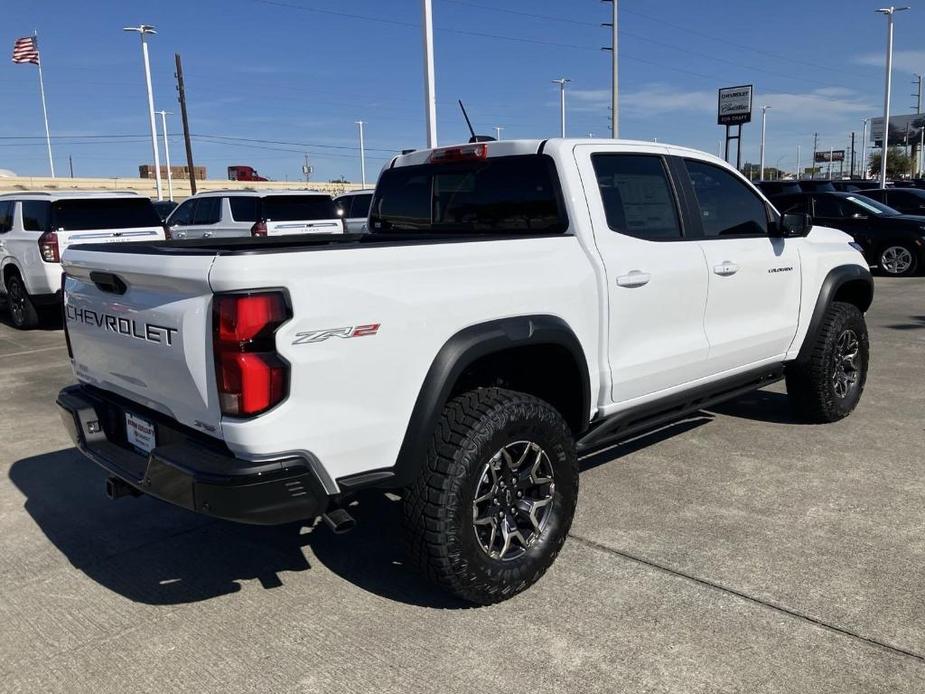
pixel 243 173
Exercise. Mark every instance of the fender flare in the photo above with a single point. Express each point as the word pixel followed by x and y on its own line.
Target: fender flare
pixel 834 280
pixel 457 354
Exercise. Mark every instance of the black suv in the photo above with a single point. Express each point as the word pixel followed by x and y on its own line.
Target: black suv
pixel 892 241
pixel 906 200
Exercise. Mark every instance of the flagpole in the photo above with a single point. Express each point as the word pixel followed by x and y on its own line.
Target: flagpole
pixel 51 161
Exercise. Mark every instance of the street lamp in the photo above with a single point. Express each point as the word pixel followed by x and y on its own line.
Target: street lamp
pixel 884 152
pixel 143 30
pixel 764 118
pixel 430 90
pixel 498 130
pixel 864 148
pixel 164 115
pixel 561 82
pixel 360 125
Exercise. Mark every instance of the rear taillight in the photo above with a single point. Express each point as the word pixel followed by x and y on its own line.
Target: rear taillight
pixel 259 229
pixel 48 247
pixel 251 376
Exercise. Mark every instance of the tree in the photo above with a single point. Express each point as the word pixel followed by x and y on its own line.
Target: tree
pixel 898 163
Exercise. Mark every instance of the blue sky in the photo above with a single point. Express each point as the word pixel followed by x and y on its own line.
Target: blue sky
pixel 295 75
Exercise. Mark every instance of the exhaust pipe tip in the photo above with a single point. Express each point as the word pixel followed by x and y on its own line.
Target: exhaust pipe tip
pixel 339 521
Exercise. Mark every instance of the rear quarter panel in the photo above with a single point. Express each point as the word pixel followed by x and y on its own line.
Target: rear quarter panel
pixel 351 399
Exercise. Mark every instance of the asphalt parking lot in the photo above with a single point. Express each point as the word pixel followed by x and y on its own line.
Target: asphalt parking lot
pixel 735 551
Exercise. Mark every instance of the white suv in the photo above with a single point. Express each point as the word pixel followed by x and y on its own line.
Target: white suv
pixel 353 207
pixel 227 213
pixel 35 228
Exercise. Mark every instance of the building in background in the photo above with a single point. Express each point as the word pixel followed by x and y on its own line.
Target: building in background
pixel 182 172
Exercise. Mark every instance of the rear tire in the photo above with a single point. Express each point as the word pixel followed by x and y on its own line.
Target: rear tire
pixel 495 497
pixel 828 385
pixel 23 313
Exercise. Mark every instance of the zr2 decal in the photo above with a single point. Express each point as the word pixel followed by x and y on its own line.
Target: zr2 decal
pixel 312 336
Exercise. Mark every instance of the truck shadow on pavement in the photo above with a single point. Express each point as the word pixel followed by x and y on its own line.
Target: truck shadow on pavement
pixel 153 553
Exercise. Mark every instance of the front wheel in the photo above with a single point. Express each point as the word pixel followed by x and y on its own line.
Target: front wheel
pixel 827 385
pixel 23 313
pixel 494 500
pixel 898 261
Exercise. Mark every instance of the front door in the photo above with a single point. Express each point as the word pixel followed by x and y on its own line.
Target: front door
pixel 656 276
pixel 753 301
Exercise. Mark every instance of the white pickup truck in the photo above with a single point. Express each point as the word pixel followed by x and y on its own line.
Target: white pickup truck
pixel 514 304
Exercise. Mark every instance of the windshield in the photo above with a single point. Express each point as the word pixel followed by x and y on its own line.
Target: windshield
pixel 104 213
pixel 517 194
pixel 297 208
pixel 872 206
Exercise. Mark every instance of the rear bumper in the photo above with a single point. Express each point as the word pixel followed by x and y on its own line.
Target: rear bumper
pixel 187 473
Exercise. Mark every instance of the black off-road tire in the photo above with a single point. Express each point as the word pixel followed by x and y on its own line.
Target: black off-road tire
pixel 23 314
pixel 438 507
pixel 811 384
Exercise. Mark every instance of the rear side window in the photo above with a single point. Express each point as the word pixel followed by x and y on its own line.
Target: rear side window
pixel 828 206
pixel 297 208
pixel 208 211
pixel 244 208
pixel 36 215
pixel 103 213
pixel 637 197
pixel 728 207
pixel 6 215
pixel 517 194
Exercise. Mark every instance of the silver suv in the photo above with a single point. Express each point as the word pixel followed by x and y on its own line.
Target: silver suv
pixel 353 207
pixel 227 213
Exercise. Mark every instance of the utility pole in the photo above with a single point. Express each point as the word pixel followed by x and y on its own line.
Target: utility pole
pixel 764 118
pixel 181 97
pixel 864 148
pixel 306 169
pixel 799 163
pixel 430 95
pixel 70 163
pixel 852 155
pixel 615 75
pixel 918 112
pixel 561 82
pixel 164 115
pixel 812 164
pixel 498 130
pixel 360 125
pixel 889 12
pixel 143 30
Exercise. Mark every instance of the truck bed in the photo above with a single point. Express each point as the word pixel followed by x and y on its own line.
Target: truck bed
pixel 309 242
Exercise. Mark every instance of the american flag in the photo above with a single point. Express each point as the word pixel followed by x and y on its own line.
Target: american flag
pixel 26 50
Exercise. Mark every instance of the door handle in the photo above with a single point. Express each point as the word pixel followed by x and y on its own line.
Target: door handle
pixel 207 234
pixel 726 268
pixel 634 278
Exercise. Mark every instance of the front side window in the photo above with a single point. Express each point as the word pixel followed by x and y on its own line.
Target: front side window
pixel 36 215
pixel 208 211
pixel 829 206
pixel 728 207
pixel 183 214
pixel 637 197
pixel 497 195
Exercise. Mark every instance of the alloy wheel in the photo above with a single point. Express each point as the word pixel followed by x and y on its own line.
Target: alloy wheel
pixel 896 260
pixel 17 300
pixel 846 373
pixel 513 500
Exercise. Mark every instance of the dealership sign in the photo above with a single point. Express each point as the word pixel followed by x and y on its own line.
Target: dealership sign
pixel 735 105
pixel 830 155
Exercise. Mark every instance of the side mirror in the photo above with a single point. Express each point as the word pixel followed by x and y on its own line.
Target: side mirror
pixel 795 224
pixel 858 215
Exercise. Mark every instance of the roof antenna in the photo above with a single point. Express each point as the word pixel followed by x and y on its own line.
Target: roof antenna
pixel 474 137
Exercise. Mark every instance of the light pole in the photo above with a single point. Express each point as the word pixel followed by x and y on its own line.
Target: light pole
pixel 864 148
pixel 498 130
pixel 360 125
pixel 799 163
pixel 430 93
pixel 561 82
pixel 615 75
pixel 777 166
pixel 884 152
pixel 164 115
pixel 764 118
pixel 143 30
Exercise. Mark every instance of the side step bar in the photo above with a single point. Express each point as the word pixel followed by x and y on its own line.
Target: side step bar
pixel 629 423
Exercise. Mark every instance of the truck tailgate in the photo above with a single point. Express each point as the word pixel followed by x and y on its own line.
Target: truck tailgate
pixel 140 326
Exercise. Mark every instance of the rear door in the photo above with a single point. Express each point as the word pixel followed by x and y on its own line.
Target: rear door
pixel 141 327
pixel 753 302
pixel 656 274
